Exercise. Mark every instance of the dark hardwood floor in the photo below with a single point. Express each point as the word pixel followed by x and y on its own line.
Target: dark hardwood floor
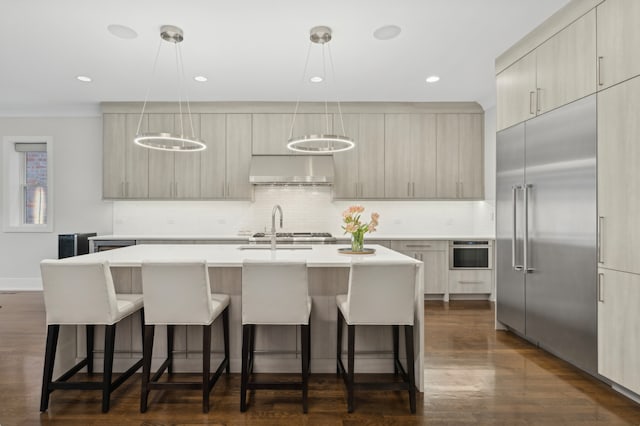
pixel 473 374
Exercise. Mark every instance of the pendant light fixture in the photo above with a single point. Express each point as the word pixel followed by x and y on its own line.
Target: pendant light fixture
pixel 165 141
pixel 324 143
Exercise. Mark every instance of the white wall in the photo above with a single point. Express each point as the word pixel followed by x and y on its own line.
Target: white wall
pixel 77 144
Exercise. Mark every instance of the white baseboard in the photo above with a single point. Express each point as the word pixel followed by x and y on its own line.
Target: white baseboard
pixel 20 284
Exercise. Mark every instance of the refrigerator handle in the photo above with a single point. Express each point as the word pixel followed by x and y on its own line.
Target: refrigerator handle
pixel 514 200
pixel 525 244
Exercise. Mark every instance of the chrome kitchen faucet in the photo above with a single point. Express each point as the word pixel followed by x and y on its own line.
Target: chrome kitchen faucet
pixel 273 224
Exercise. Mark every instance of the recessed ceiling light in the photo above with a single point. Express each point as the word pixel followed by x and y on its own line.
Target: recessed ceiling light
pixel 122 31
pixel 387 32
pixel 200 78
pixel 84 78
pixel 433 79
pixel 316 79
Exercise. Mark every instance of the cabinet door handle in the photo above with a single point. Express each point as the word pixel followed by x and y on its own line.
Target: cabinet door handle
pixel 600 234
pixel 223 189
pixel 356 186
pixel 175 192
pixel 531 106
pixel 461 191
pixel 418 245
pixel 600 83
pixel 228 192
pixel 600 287
pixel 408 189
pixel 471 282
pixel 538 103
pixel 123 189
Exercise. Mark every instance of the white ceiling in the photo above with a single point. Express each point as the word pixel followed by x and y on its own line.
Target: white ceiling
pixel 253 50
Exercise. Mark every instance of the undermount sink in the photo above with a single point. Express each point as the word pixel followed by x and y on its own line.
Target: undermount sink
pixel 278 247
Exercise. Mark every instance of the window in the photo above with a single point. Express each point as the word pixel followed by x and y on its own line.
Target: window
pixel 28 184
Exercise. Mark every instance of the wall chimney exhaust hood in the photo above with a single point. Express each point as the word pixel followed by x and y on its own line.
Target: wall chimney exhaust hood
pixel 291 170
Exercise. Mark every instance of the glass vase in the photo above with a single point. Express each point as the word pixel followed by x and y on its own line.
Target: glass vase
pixel 357 242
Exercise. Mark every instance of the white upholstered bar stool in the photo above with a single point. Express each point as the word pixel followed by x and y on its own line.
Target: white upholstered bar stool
pixel 274 293
pixel 379 294
pixel 179 293
pixel 83 294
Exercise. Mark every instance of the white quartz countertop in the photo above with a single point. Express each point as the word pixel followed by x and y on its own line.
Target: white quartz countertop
pixel 231 255
pixel 239 238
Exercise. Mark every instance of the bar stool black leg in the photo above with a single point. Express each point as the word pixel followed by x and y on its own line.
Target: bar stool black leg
pixel 147 349
pixel 339 343
pixel 90 333
pixel 408 336
pixel 170 332
pixel 109 346
pixel 246 338
pixel 225 331
pixel 206 366
pixel 396 348
pixel 49 359
pixel 351 337
pixel 305 365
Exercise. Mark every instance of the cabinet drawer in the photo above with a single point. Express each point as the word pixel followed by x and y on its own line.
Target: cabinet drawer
pixel 420 245
pixel 470 281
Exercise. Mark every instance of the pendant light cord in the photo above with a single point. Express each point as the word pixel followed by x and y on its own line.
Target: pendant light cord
pixel 335 84
pixel 304 72
pixel 186 96
pixel 146 97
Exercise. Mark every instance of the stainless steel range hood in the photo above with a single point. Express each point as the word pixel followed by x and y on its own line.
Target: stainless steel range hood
pixel 291 170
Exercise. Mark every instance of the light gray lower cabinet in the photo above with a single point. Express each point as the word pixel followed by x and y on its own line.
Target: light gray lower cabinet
pixel 470 281
pixel 619 327
pixel 436 265
pixel 359 172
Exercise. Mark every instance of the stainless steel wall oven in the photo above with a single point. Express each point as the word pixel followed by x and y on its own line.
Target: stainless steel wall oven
pixel 470 254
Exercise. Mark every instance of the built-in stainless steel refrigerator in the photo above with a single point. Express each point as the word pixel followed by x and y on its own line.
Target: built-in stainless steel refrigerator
pixel 546 220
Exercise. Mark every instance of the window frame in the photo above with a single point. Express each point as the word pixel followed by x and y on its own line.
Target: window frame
pixel 13 210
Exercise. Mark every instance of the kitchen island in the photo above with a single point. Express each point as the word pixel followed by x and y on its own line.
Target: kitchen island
pixel 276 347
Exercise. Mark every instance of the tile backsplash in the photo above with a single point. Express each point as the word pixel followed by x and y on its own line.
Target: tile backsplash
pixel 305 209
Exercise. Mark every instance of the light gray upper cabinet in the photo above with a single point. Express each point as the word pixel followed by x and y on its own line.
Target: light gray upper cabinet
pixel 618 41
pixel 225 162
pixel 359 173
pixel 410 156
pixel 174 175
pixel 238 156
pixel 566 64
pixel 448 151
pixel 516 92
pixel 125 164
pixel 460 156
pixel 559 71
pixel 213 131
pixel 471 156
pixel 271 131
pixel 187 165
